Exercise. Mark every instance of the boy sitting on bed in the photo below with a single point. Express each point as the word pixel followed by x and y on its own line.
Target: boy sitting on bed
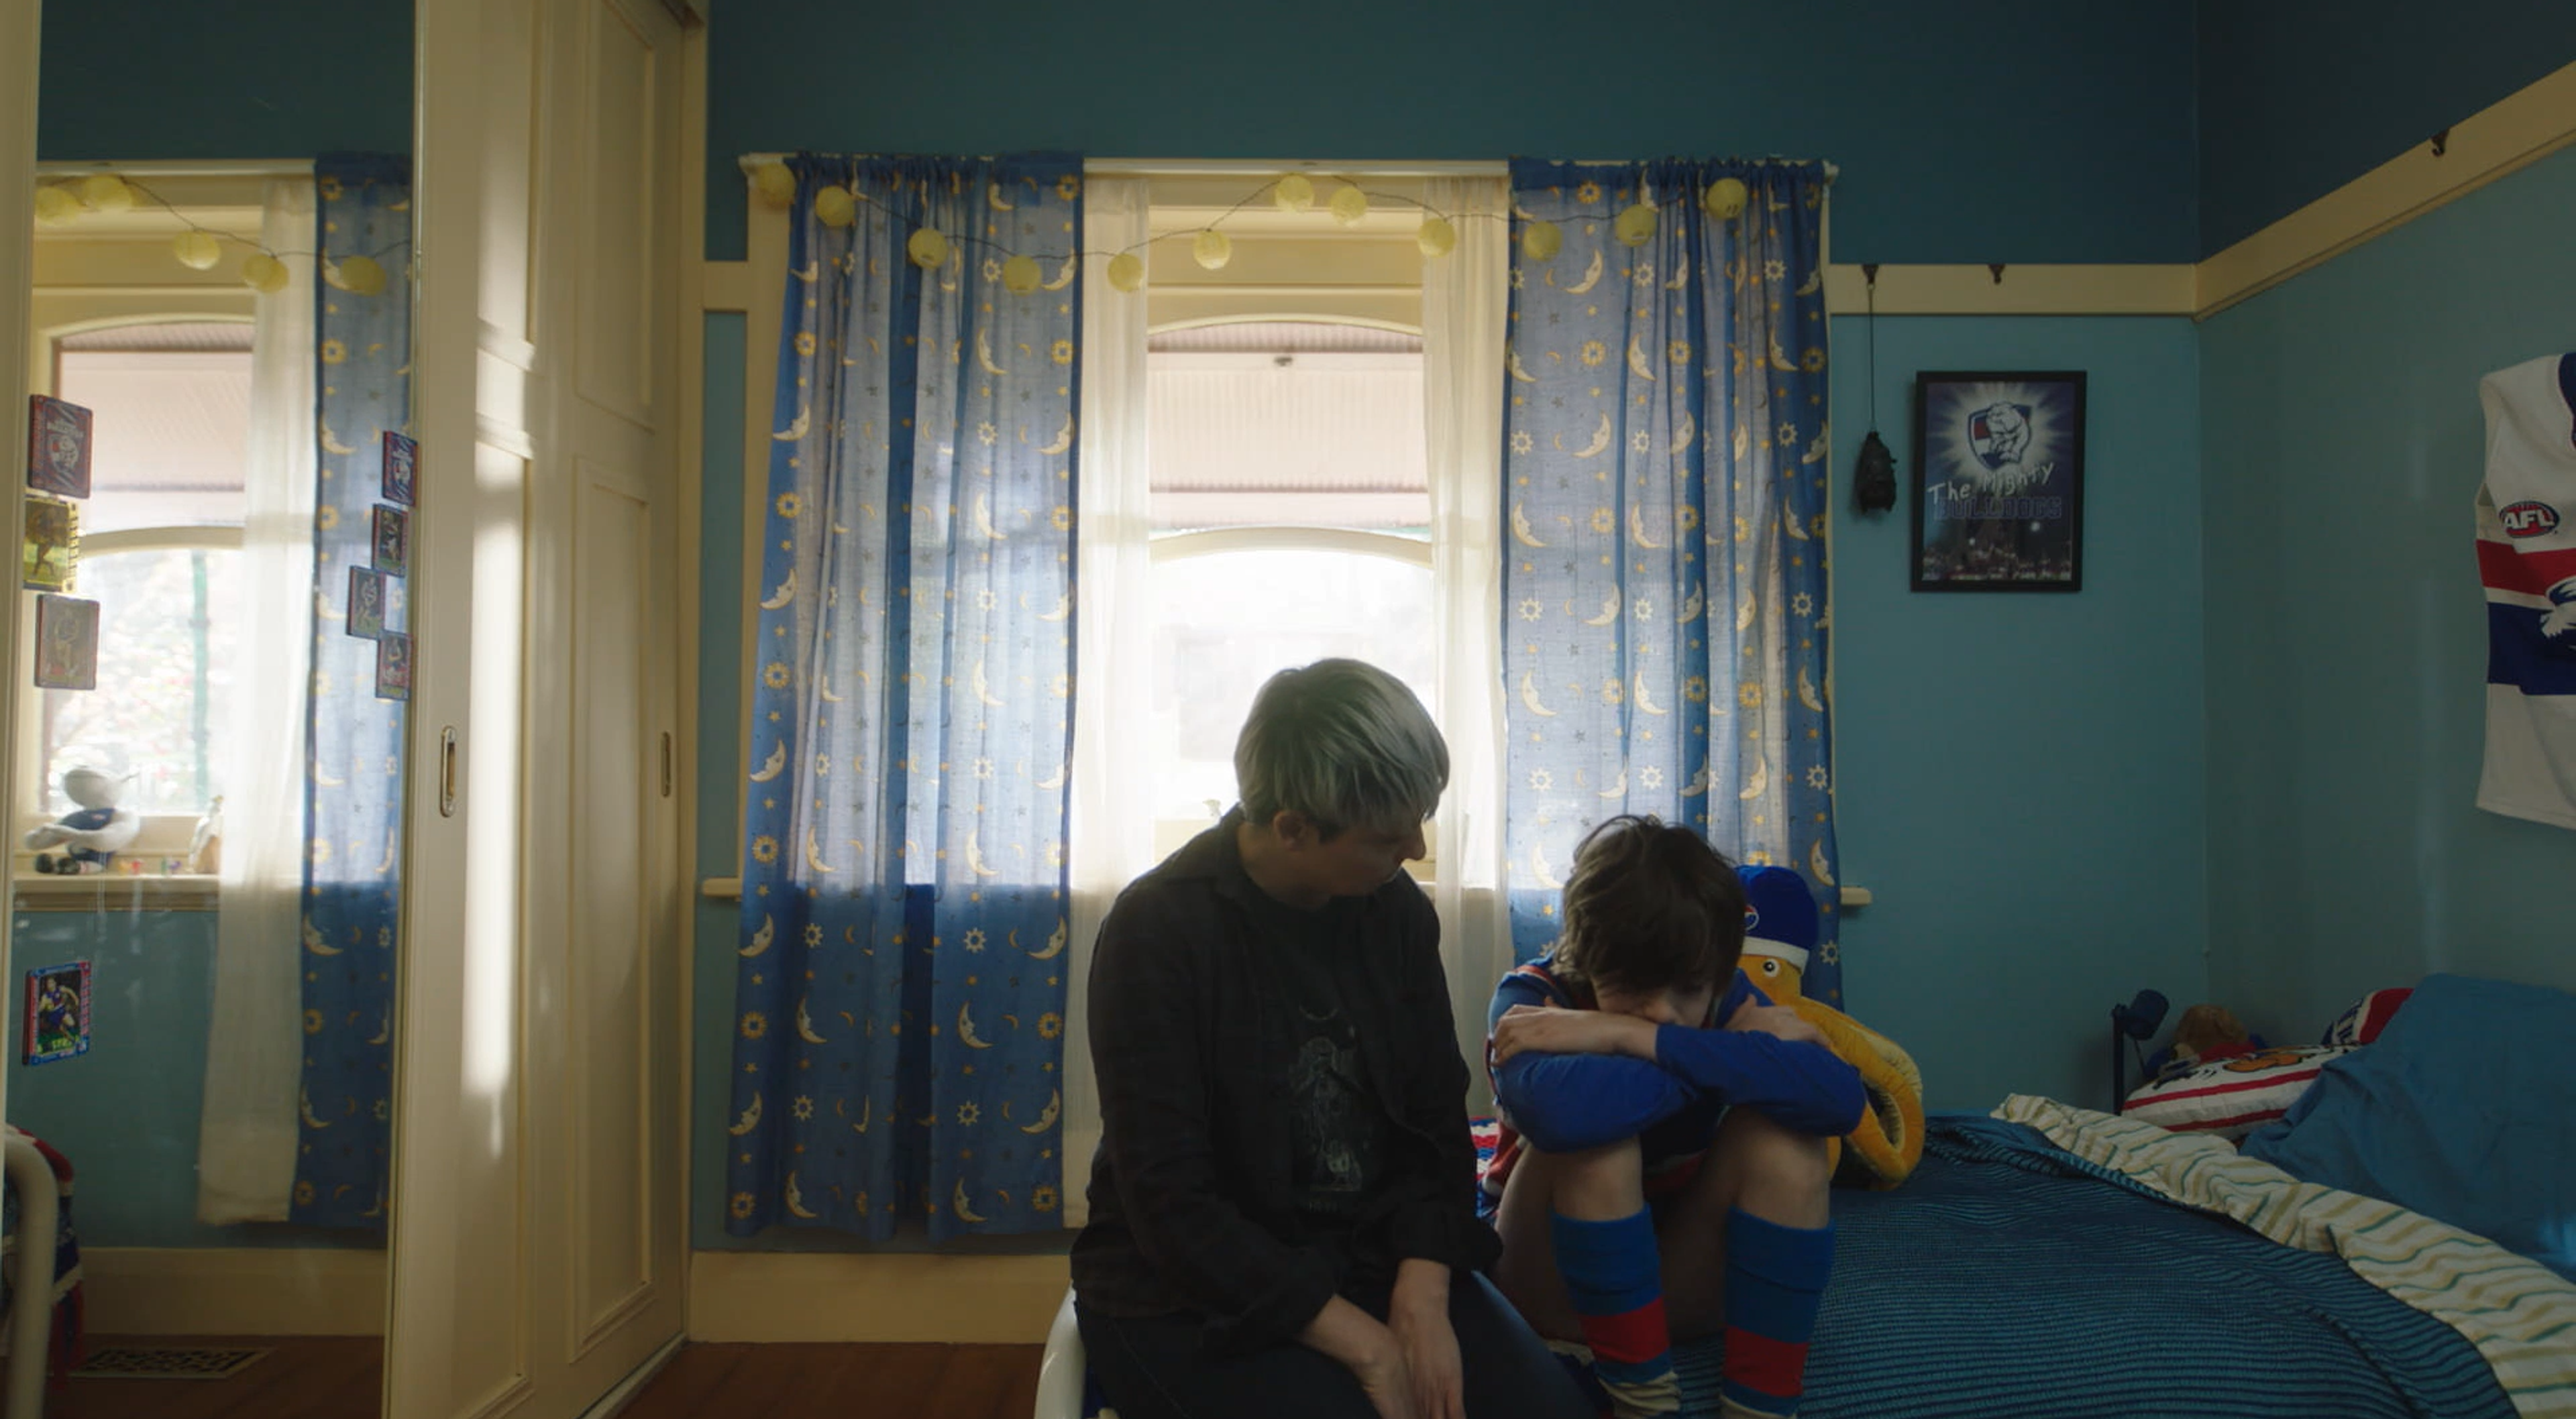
pixel 1663 1164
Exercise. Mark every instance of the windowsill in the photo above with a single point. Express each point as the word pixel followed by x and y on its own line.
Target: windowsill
pixel 729 889
pixel 114 891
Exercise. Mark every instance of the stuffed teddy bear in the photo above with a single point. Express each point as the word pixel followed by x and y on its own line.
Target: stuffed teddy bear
pixel 2208 1032
pixel 90 834
pixel 1780 930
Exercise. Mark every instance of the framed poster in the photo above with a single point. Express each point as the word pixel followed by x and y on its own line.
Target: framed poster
pixel 57 447
pixel 52 554
pixel 402 468
pixel 1999 481
pixel 393 666
pixel 366 617
pixel 66 643
pixel 391 533
pixel 56 1025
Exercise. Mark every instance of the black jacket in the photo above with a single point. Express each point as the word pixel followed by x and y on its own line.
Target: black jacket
pixel 1192 1207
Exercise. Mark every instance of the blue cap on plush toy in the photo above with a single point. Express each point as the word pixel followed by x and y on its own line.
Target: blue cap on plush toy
pixel 1779 913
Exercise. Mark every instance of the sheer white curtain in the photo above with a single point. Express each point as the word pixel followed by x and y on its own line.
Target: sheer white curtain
pixel 1464 304
pixel 1112 837
pixel 247 1138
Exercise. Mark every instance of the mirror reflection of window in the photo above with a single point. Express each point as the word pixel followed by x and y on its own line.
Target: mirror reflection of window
pixel 160 537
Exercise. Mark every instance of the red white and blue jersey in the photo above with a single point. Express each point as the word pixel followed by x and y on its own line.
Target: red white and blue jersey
pixel 2527 558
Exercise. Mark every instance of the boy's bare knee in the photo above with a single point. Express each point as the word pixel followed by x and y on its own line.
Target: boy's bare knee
pixel 1784 1159
pixel 1598 1183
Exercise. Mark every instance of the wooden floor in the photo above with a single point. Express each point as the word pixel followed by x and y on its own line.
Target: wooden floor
pixel 303 1377
pixel 838 1381
pixel 342 1378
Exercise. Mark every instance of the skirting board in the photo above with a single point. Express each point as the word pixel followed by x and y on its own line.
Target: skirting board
pixel 234 1290
pixel 909 1299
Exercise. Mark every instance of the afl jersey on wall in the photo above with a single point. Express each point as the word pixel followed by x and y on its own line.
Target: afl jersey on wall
pixel 2527 557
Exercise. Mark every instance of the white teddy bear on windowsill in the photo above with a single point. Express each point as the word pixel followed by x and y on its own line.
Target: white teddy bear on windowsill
pixel 90 834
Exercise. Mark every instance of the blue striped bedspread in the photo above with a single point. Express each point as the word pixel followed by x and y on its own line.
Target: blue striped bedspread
pixel 2011 1280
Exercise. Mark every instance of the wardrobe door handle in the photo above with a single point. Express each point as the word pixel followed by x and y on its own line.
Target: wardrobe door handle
pixel 666 763
pixel 447 772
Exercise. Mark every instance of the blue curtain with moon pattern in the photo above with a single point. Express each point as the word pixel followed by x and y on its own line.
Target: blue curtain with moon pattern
pixel 1665 479
pixel 355 728
pixel 900 999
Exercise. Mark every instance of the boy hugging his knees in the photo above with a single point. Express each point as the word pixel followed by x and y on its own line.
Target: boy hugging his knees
pixel 1664 1158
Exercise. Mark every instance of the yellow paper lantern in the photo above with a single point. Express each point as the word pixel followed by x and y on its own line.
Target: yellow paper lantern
pixel 56 205
pixel 1541 241
pixel 1436 237
pixel 1349 205
pixel 1725 199
pixel 776 185
pixel 106 192
pixel 836 207
pixel 1212 249
pixel 1127 271
pixel 928 248
pixel 362 276
pixel 1020 275
pixel 264 273
pixel 196 250
pixel 1293 193
pixel 1636 226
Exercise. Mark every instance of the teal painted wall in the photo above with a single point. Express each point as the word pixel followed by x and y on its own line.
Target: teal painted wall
pixel 2346 634
pixel 2019 777
pixel 126 1113
pixel 2295 103
pixel 136 79
pixel 1977 130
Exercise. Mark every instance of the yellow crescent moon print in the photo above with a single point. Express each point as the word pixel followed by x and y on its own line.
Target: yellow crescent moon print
pixel 984 520
pixel 828 697
pixel 966 1030
pixel 1760 783
pixel 975 854
pixel 1529 696
pixel 1691 608
pixel 1512 362
pixel 304 1109
pixel 993 194
pixel 958 1201
pixel 1643 703
pixel 1591 276
pixel 785 593
pixel 1681 275
pixel 1816 864
pixel 1780 360
pixel 324 780
pixel 379 1209
pixel 1538 869
pixel 1815 282
pixel 862 1125
pixel 331 442
pixel 983 689
pixel 1789 524
pixel 1521 529
pixel 797 430
pixel 1055 942
pixel 314 943
pixel 750 1119
pixel 1064 274
pixel 813 855
pixel 796 1199
pixel 1063 438
pixel 1685 431
pixel 1698 784
pixel 1807 691
pixel 1601 437
pixel 1616 789
pixel 1609 609
pixel 1637 529
pixel 1063 608
pixel 984 354
pixel 1818 446
pixel 385 1025
pixel 1637 361
pixel 760 939
pixel 1055 782
pixel 1745 611
pixel 1047 1116
pixel 805 1023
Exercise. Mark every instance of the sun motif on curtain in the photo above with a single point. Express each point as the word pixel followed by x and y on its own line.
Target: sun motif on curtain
pixel 900 1000
pixel 1665 482
pixel 354 786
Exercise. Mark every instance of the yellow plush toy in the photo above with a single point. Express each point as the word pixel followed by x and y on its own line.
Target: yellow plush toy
pixel 1779 932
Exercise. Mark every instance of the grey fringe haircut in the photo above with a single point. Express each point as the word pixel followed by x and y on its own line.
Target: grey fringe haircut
pixel 1343 743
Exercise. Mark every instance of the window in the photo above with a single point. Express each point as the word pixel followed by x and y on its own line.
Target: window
pixel 160 550
pixel 1291 514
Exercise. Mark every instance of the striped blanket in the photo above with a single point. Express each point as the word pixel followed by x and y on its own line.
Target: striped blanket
pixel 2519 1314
pixel 2009 1279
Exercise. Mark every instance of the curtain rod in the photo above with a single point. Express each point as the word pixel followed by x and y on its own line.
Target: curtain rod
pixel 214 167
pixel 1246 167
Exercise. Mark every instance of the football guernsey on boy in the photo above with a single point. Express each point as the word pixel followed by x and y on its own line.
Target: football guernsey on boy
pixel 2527 558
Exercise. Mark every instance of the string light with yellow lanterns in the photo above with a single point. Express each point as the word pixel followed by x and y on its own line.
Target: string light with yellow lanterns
pixel 201 248
pixel 836 205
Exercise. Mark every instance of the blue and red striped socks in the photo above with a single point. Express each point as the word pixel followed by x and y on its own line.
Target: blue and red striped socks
pixel 1775 1277
pixel 1615 1277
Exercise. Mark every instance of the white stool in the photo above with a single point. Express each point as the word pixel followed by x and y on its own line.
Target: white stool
pixel 1060 1372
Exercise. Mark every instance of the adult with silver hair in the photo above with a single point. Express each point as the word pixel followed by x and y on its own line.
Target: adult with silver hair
pixel 1283 1205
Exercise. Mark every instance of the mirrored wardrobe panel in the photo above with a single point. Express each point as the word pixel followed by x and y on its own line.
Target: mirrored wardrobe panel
pixel 207 776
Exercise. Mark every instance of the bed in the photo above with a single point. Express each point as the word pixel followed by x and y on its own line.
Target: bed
pixel 36 1230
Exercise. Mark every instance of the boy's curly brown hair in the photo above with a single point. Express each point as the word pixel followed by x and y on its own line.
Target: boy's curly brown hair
pixel 1650 906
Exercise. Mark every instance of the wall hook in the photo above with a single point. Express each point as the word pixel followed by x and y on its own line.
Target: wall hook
pixel 2441 142
pixel 1996 269
pixel 1869 273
